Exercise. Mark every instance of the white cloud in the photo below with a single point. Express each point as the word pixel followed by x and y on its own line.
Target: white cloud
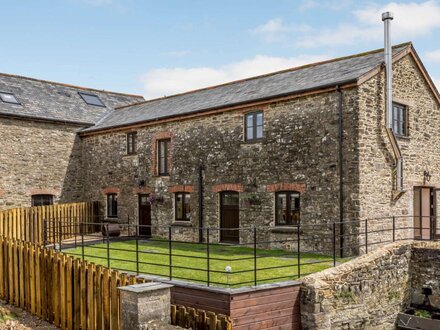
pixel 433 56
pixel 410 20
pixel 168 81
pixel 277 30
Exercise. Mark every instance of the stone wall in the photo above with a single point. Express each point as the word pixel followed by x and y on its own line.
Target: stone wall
pixel 38 158
pixel 370 290
pixel 420 149
pixel 299 149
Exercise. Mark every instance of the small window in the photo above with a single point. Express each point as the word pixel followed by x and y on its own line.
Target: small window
pixel 182 206
pixel 131 143
pixel 42 200
pixel 162 156
pixel 112 205
pixel 254 126
pixel 400 119
pixel 287 208
pixel 92 99
pixel 8 98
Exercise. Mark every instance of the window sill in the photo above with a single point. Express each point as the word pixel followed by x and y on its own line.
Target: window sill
pixel 111 220
pixel 181 223
pixel 284 229
pixel 259 141
pixel 403 137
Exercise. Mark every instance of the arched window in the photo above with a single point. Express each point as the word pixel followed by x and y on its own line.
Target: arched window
pixel 287 208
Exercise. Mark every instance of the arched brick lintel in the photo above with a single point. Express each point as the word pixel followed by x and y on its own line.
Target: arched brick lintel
pixel 181 188
pixel 142 190
pixel 287 186
pixel 44 191
pixel 228 187
pixel 110 190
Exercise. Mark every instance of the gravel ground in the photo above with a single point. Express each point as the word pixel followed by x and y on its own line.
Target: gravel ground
pixel 12 318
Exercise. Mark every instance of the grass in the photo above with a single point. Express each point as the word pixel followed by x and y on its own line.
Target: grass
pixel 189 261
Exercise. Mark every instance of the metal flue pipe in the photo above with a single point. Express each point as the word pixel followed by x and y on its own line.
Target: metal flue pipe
pixel 387 17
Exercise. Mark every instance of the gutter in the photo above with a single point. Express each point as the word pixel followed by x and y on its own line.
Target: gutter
pixel 46 120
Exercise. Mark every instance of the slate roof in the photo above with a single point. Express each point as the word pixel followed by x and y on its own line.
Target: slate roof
pixel 47 100
pixel 282 83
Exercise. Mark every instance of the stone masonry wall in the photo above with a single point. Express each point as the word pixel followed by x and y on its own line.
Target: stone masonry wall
pixel 299 150
pixel 38 158
pixel 369 291
pixel 420 149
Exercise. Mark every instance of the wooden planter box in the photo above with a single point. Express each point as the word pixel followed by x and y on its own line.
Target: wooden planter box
pixel 412 322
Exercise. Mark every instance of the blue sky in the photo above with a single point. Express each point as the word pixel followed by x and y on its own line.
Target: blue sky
pixel 157 48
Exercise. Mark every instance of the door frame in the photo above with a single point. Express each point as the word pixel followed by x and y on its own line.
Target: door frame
pixel 139 216
pixel 432 212
pixel 221 195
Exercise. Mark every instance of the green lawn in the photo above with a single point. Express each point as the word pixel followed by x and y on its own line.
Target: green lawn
pixel 272 265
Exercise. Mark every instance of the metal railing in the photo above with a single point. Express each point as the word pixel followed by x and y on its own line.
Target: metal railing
pixel 262 255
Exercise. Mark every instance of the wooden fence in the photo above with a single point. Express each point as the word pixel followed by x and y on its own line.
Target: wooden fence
pixel 27 224
pixel 187 317
pixel 68 292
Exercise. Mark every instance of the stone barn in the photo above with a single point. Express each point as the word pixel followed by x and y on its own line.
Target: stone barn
pixel 305 146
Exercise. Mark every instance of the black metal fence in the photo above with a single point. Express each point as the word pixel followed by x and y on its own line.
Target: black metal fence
pixel 262 255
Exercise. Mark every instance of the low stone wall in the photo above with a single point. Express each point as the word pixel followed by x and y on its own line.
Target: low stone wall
pixel 370 290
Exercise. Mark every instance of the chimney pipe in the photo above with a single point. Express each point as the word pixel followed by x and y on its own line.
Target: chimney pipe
pixel 387 17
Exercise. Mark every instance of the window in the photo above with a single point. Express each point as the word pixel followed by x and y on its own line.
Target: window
pixel 131 143
pixel 162 156
pixel 287 208
pixel 8 98
pixel 254 126
pixel 182 206
pixel 112 205
pixel 399 119
pixel 41 200
pixel 92 99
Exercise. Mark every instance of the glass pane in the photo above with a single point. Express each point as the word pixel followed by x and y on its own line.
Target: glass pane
pixel 9 98
pixel 259 132
pixel 259 119
pixel 250 120
pixel 294 208
pixel 416 210
pixel 92 99
pixel 249 133
pixel 179 207
pixel 281 209
pixel 162 166
pixel 144 200
pixel 187 207
pixel 230 199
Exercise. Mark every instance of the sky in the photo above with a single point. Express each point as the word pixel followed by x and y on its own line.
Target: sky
pixel 157 48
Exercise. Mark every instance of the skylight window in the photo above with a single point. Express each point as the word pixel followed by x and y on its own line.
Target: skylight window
pixel 8 98
pixel 92 99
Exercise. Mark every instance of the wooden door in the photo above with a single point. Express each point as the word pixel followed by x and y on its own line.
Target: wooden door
pixel 144 216
pixel 229 217
pixel 423 212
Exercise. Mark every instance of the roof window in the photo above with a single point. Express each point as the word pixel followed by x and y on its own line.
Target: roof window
pixel 8 98
pixel 92 99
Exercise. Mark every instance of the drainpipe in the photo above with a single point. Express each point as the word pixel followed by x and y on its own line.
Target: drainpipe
pixel 341 173
pixel 387 17
pixel 200 203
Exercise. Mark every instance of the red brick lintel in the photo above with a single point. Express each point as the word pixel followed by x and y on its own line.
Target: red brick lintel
pixel 286 186
pixel 181 188
pixel 142 190
pixel 228 187
pixel 110 190
pixel 47 191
